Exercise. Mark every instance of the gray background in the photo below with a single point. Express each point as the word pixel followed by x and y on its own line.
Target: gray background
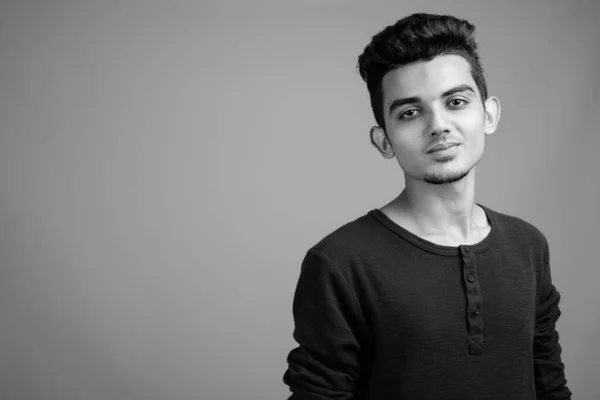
pixel 164 166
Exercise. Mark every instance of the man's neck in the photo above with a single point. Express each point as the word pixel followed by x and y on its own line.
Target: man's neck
pixel 447 212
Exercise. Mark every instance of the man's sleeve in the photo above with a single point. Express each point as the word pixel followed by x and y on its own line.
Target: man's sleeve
pixel 550 381
pixel 327 326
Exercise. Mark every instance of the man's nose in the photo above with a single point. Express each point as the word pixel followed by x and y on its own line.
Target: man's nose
pixel 438 123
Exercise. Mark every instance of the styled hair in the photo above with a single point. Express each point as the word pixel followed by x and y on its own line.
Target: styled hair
pixel 418 37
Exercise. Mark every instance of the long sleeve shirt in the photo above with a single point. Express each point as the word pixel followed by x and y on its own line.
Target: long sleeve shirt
pixel 383 314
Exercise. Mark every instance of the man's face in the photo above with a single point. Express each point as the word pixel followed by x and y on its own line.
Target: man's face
pixel 429 104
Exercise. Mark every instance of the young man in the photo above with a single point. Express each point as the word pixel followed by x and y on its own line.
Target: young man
pixel 432 296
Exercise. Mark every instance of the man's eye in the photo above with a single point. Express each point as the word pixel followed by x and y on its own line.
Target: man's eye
pixel 409 113
pixel 458 103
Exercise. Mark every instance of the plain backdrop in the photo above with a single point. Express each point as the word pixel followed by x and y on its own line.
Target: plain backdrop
pixel 165 165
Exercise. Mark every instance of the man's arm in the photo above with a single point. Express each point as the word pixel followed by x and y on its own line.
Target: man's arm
pixel 328 323
pixel 550 381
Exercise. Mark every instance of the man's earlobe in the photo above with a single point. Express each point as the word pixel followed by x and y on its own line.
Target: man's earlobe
pixel 380 142
pixel 491 114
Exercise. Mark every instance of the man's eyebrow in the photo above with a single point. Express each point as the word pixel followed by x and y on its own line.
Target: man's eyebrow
pixel 459 88
pixel 409 100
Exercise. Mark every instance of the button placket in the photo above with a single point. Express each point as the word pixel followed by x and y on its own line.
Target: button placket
pixel 474 301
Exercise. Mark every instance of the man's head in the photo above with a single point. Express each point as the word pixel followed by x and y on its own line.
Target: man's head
pixel 427 87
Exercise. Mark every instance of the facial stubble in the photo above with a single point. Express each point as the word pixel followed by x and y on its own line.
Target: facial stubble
pixel 441 178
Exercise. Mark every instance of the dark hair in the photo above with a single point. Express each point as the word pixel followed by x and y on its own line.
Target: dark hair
pixel 418 37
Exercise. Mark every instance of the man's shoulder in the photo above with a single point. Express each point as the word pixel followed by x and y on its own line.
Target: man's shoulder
pixel 517 229
pixel 351 238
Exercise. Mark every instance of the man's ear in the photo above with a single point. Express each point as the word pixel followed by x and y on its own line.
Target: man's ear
pixel 492 114
pixel 380 141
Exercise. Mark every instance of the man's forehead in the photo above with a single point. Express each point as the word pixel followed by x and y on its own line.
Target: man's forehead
pixel 427 79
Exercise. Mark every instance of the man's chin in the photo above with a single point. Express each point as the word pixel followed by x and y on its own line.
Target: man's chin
pixel 444 178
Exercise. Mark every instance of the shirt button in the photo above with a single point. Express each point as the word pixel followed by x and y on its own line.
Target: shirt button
pixel 471 278
pixel 476 311
pixel 466 249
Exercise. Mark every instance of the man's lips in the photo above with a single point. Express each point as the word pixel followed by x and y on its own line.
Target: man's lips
pixel 442 146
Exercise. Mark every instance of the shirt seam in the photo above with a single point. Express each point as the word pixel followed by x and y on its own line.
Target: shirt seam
pixel 357 310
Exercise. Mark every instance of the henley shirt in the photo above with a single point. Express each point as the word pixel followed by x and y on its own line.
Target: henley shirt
pixel 383 314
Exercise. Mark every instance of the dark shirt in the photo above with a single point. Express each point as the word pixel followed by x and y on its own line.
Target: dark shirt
pixel 382 314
